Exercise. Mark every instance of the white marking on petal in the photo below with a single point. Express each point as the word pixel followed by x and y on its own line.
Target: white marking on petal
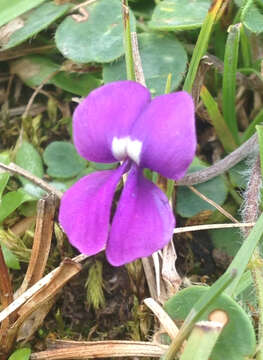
pixel 134 148
pixel 123 147
pixel 119 147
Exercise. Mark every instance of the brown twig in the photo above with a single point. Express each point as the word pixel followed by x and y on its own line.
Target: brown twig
pixel 34 289
pixel 139 75
pixel 213 203
pixel 42 241
pixel 17 170
pixel 221 166
pixel 6 291
pixel 103 349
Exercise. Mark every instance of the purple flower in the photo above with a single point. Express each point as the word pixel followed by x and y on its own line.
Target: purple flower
pixel 120 122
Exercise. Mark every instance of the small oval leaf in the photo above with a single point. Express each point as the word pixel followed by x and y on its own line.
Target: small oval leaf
pixel 237 340
pixel 62 160
pixel 171 15
pixel 98 38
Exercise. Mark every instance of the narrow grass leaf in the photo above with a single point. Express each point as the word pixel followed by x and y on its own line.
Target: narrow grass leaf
pixel 241 260
pixel 252 126
pixel 202 43
pixel 218 121
pixel 229 79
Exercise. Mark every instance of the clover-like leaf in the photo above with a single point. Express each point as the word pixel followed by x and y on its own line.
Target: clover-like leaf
pixel 99 38
pixel 161 55
pixel 63 160
pixel 172 15
pixel 237 340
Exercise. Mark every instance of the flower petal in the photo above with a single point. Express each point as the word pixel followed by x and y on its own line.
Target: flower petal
pixel 143 222
pixel 85 209
pixel 107 112
pixel 167 131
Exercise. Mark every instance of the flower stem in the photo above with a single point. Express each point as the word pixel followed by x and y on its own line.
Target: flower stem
pixel 251 212
pixel 127 41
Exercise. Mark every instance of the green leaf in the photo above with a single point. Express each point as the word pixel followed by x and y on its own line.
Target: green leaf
pixel 160 55
pixel 238 337
pixel 11 9
pixel 20 354
pixel 244 254
pixel 170 15
pixel 10 259
pixel 11 201
pixel 34 69
pixel 35 21
pixel 97 39
pixel 202 43
pixel 252 17
pixel 29 159
pixel 79 84
pixel 63 160
pixel 238 174
pixel 228 240
pixel 229 80
pixel 218 121
pixel 189 204
pixel 4 176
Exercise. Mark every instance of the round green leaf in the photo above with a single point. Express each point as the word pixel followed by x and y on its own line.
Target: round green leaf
pixel 34 69
pixel 160 55
pixel 35 21
pixel 171 15
pixel 97 39
pixel 252 18
pixel 189 204
pixel 237 340
pixel 228 240
pixel 63 160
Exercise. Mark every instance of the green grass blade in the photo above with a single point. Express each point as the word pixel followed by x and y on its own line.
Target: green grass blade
pixel 241 260
pixel 201 45
pixel 229 79
pixel 202 340
pixel 127 41
pixel 199 308
pixel 218 121
pixel 252 126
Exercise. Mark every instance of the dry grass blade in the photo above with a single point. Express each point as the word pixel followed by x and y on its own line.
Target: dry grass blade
pixel 102 349
pixel 180 230
pixel 211 202
pixel 42 242
pixel 165 320
pixel 17 170
pixel 34 289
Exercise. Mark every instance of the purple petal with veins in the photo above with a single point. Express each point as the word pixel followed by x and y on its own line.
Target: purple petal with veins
pixel 85 209
pixel 143 222
pixel 166 130
pixel 107 113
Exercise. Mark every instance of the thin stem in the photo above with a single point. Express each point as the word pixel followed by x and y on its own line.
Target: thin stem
pixel 251 212
pixel 127 41
pixel 221 166
pixel 17 170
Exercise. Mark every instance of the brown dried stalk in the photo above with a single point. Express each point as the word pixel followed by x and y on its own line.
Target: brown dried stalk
pixel 102 349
